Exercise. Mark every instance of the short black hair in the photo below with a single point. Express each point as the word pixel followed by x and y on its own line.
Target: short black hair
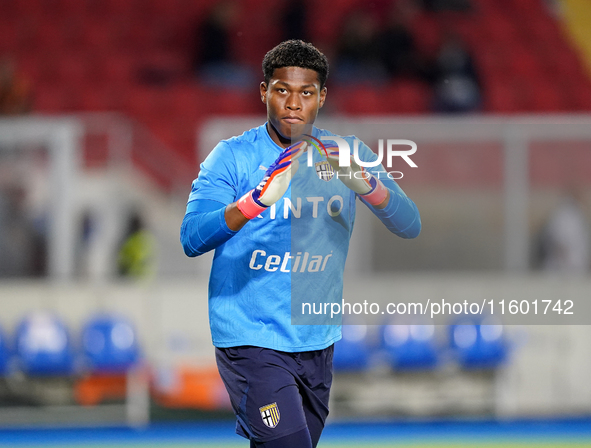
pixel 295 53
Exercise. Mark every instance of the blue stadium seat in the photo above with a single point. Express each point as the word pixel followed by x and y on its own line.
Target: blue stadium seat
pixel 110 344
pixel 43 345
pixel 4 353
pixel 352 353
pixel 479 344
pixel 410 347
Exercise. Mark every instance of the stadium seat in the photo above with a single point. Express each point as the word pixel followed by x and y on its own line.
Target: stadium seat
pixel 4 353
pixel 410 347
pixel 523 62
pixel 51 99
pixel 102 98
pixel 51 36
pixel 427 32
pixel 478 344
pixel 233 102
pixel 110 361
pixel 31 8
pixel 8 36
pixel 120 69
pixel 407 97
pixel 46 71
pixel 548 97
pixel 499 97
pixel 582 96
pixel 73 68
pixel 365 99
pixel 43 345
pixel 352 352
pixel 125 9
pixel 109 344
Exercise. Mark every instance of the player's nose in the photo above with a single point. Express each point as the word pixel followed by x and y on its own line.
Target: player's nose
pixel 293 102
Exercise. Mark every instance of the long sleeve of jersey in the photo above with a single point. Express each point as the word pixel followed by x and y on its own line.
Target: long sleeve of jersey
pixel 204 227
pixel 401 215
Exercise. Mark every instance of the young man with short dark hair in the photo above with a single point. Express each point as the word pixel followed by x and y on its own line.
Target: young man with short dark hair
pixel 281 230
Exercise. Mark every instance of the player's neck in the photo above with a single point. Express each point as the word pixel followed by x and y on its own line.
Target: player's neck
pixel 277 139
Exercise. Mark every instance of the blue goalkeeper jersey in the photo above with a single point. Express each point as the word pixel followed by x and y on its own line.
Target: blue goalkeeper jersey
pixel 270 279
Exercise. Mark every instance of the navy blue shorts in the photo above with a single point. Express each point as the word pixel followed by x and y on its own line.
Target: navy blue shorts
pixel 275 394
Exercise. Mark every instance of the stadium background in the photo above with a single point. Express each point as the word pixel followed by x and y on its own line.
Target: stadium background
pixel 114 123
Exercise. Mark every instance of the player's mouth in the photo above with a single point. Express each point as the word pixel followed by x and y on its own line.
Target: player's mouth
pixel 292 120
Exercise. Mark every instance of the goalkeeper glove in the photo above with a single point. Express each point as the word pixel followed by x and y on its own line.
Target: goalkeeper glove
pixel 274 184
pixel 357 178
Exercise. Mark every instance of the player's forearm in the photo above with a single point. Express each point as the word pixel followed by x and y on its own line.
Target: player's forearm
pixel 235 220
pixel 384 203
pixel 204 231
pixel 400 215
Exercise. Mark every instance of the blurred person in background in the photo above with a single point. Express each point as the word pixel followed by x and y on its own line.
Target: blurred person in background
pixel 214 62
pixel 357 50
pixel 565 241
pixel 396 46
pixel 456 82
pixel 86 232
pixel 136 254
pixel 15 92
pixel 447 5
pixel 293 20
pixel 21 249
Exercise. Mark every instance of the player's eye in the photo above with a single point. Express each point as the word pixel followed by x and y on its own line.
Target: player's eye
pixel 281 90
pixel 307 92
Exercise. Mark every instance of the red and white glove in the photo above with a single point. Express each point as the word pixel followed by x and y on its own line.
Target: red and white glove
pixel 274 184
pixel 357 178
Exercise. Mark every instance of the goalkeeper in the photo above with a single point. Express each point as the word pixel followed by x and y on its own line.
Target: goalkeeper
pixel 280 230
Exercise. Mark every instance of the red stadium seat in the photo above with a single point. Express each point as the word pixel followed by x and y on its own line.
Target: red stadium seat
pixel 50 36
pixel 362 99
pixel 120 68
pixel 548 97
pixel 499 97
pixel 427 32
pixel 9 33
pixel 71 8
pixel 235 102
pixel 140 102
pixel 522 62
pixel 582 96
pixel 103 98
pixel 73 68
pixel 99 36
pixel 50 99
pixel 47 70
pixel 28 8
pixel 408 97
pixel 190 101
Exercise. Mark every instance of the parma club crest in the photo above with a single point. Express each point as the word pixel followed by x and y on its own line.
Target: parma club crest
pixel 270 415
pixel 324 170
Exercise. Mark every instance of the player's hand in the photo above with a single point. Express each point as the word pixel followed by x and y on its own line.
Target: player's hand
pixel 357 178
pixel 274 184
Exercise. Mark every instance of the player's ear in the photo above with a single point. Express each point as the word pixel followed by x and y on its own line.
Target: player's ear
pixel 322 97
pixel 263 89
